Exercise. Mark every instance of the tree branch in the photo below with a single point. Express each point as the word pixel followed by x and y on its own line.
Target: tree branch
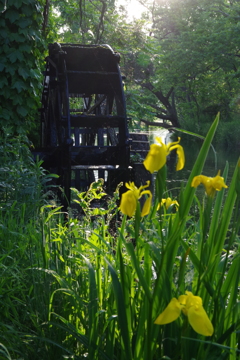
pixel 164 117
pixel 158 108
pixel 45 16
pixel 101 21
pixel 170 112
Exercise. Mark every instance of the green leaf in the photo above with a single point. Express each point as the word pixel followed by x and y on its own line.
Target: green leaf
pixel 12 15
pixel 10 69
pixel 31 101
pixel 25 48
pixel 122 316
pixel 3 82
pixel 15 55
pixel 17 99
pixel 35 74
pixel 223 225
pixel 16 3
pixel 22 111
pixel 24 22
pixel 232 278
pixel 2 8
pixel 23 72
pixel 197 168
pixel 186 200
pixel 2 20
pixel 5 92
pixel 19 85
pixel 27 10
pixel 139 271
pixel 4 35
pixel 93 308
pixel 17 37
pixel 6 114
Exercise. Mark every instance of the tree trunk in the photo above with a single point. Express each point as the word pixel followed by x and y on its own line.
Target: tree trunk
pixel 168 101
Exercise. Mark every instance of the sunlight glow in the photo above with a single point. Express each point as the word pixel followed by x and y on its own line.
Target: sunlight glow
pixel 133 7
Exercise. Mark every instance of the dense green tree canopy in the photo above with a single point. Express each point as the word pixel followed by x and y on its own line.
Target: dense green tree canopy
pixel 198 55
pixel 181 58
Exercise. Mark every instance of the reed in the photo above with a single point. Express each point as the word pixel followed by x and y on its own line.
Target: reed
pixel 92 287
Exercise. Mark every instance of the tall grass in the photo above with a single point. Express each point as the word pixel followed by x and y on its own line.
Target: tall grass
pixel 92 286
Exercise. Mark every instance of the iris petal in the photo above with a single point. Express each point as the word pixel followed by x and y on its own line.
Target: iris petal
pixel 156 158
pixel 199 320
pixel 130 198
pixel 181 156
pixel 128 203
pixel 147 205
pixel 210 184
pixel 157 155
pixel 192 307
pixel 168 202
pixel 171 313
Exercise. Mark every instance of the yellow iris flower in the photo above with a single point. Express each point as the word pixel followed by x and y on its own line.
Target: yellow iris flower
pixel 157 155
pixel 130 198
pixel 210 184
pixel 192 307
pixel 168 202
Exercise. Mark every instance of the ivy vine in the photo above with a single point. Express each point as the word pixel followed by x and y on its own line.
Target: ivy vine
pixel 21 48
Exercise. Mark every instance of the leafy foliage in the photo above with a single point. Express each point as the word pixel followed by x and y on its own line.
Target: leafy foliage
pixel 181 59
pixel 22 180
pixel 21 49
pixel 84 22
pixel 196 52
pixel 78 288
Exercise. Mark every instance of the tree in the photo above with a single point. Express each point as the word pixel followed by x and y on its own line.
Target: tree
pixel 194 55
pixel 181 59
pixel 83 22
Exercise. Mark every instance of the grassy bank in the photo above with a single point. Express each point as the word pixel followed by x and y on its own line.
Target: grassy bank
pixel 92 287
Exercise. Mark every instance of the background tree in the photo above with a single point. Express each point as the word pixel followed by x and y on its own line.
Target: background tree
pixel 194 56
pixel 181 59
pixel 84 22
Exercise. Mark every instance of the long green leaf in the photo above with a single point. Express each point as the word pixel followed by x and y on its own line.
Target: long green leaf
pixel 93 309
pixel 121 311
pixel 139 271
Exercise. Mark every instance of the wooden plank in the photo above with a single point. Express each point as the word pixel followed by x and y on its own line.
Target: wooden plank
pixel 96 121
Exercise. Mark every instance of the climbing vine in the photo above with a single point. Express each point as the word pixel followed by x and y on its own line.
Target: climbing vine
pixel 21 47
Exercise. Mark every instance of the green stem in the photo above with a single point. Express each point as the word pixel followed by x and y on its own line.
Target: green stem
pixel 137 221
pixel 122 230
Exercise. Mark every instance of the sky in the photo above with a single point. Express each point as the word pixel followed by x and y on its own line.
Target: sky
pixel 134 8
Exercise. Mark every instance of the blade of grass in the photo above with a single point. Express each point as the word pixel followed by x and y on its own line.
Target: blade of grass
pixel 92 310
pixel 121 311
